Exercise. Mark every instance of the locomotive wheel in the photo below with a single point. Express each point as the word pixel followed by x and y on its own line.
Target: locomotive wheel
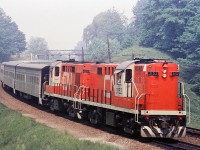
pixel 71 111
pixel 51 105
pixel 93 117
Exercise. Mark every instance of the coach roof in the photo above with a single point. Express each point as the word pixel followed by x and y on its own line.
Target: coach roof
pixel 13 63
pixel 33 66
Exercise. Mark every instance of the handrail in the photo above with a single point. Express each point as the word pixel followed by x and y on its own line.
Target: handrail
pixel 76 91
pixel 84 87
pixel 138 99
pixel 185 99
pixel 75 94
pixel 136 114
pixel 136 94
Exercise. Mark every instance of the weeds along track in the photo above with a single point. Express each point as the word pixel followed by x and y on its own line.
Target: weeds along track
pixel 193 132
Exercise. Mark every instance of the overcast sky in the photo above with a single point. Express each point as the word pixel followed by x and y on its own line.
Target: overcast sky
pixel 60 22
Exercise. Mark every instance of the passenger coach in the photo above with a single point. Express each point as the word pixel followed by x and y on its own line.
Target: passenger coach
pixel 25 78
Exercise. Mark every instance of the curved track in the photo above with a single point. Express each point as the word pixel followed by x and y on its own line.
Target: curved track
pixel 193 132
pixel 175 144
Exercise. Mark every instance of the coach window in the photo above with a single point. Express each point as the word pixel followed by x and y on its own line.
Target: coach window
pixel 56 71
pixel 128 75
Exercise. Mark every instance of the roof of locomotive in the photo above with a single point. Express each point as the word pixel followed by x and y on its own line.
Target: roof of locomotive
pixel 79 63
pixel 125 64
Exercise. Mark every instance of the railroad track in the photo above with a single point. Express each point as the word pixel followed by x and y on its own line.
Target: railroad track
pixel 193 132
pixel 175 144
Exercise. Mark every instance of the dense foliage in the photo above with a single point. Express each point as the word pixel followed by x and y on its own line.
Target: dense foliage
pixel 106 26
pixel 172 26
pixel 12 40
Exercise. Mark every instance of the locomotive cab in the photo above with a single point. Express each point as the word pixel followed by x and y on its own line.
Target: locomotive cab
pixel 124 75
pixel 54 77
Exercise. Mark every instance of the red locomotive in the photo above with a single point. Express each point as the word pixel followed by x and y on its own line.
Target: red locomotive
pixel 140 96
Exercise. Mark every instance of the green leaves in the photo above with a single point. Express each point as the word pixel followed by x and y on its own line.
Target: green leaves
pixel 106 25
pixel 109 23
pixel 12 40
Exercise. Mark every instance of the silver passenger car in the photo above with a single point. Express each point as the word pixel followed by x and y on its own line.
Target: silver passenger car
pixel 30 78
pixel 25 77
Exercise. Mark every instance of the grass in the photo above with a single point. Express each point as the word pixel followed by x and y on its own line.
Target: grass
pixel 18 132
pixel 195 107
pixel 141 52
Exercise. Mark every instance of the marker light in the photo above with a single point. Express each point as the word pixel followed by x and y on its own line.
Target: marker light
pixel 164 71
pixel 164 75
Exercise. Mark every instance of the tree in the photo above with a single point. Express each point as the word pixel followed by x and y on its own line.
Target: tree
pixel 98 49
pixel 37 44
pixel 109 23
pixel 134 27
pixel 162 23
pixel 12 40
pixel 190 39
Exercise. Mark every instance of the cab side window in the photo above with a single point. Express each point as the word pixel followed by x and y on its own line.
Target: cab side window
pixel 56 71
pixel 128 75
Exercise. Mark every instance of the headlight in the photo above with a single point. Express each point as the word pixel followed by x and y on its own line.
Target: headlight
pixel 164 75
pixel 164 71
